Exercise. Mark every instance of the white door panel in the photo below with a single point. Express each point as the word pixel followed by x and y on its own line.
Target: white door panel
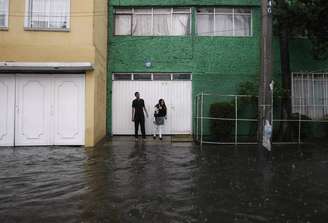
pixel 181 107
pixel 121 110
pixel 7 110
pixel 69 110
pixel 49 109
pixel 177 96
pixel 33 98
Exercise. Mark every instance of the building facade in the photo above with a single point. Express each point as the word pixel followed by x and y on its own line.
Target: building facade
pixel 176 49
pixel 53 61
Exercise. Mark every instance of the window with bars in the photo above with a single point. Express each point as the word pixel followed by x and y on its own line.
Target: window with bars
pixel 153 21
pixel 224 22
pixel 310 95
pixel 48 14
pixel 152 76
pixel 4 13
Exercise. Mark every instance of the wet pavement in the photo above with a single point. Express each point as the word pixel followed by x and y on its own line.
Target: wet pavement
pixel 124 181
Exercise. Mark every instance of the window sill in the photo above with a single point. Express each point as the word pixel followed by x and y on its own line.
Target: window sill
pixel 47 29
pixel 188 36
pixel 4 28
pixel 151 36
pixel 200 36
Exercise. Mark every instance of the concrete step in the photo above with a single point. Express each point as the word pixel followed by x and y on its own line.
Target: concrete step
pixel 182 138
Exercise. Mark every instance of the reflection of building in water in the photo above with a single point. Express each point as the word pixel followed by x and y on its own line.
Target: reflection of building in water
pixel 96 204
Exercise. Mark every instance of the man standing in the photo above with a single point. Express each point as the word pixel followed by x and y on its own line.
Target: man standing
pixel 138 117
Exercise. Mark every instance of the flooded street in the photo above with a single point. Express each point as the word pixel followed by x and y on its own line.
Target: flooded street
pixel 163 182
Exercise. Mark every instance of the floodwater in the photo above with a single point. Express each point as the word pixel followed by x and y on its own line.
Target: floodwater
pixel 163 182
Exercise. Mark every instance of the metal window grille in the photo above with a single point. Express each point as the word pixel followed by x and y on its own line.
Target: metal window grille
pixel 310 94
pixel 162 77
pixel 151 76
pixel 48 14
pixel 4 5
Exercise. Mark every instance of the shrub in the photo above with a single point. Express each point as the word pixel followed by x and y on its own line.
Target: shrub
pixel 222 130
pixel 305 127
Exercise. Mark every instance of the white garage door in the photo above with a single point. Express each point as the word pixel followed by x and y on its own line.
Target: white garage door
pixel 7 110
pixel 175 89
pixel 49 110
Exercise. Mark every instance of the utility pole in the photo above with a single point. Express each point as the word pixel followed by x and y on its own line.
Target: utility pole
pixel 265 94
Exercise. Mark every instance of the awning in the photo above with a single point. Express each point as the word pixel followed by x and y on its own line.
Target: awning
pixel 45 66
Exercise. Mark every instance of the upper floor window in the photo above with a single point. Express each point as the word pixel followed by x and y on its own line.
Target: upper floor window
pixel 3 13
pixel 47 14
pixel 153 21
pixel 224 22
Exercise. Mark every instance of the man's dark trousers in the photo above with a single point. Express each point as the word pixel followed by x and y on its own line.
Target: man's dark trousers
pixel 139 119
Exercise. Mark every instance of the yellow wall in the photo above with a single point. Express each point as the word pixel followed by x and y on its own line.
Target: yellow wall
pixel 100 43
pixel 76 45
pixel 85 42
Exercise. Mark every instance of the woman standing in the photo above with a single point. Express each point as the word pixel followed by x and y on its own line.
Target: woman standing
pixel 160 115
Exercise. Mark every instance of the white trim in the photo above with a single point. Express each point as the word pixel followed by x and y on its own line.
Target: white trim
pixel 26 22
pixel 46 66
pixel 68 24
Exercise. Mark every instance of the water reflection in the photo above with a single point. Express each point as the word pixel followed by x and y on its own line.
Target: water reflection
pixel 135 182
pixel 95 203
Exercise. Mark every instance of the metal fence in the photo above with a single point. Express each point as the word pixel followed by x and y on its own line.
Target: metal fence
pixel 233 120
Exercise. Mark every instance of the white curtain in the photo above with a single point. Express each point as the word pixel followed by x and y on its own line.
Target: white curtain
pixel 162 25
pixel 153 22
pixel 205 25
pixel 49 13
pixel 223 25
pixel 123 25
pixel 3 12
pixel 297 93
pixel 58 13
pixel 242 25
pixel 318 98
pixel 180 24
pixel 39 13
pixel 2 5
pixel 310 95
pixel 142 25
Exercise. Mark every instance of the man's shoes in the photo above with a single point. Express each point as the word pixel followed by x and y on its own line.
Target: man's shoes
pixel 154 137
pixel 160 138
